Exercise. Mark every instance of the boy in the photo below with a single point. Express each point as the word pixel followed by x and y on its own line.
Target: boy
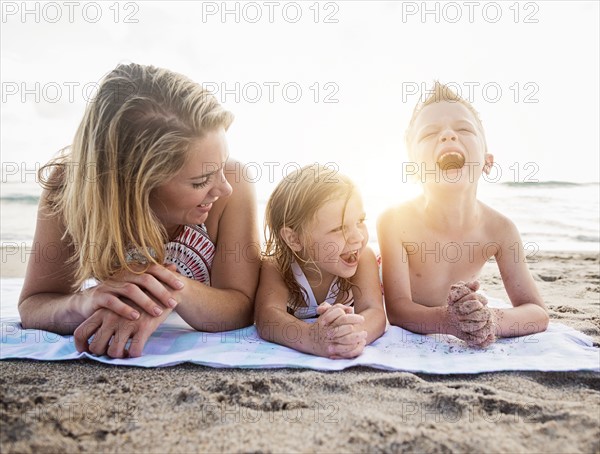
pixel 431 244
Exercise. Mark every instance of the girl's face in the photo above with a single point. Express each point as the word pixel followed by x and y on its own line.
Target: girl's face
pixel 189 196
pixel 335 247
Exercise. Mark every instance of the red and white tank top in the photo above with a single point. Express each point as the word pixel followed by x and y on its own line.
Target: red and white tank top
pixel 192 252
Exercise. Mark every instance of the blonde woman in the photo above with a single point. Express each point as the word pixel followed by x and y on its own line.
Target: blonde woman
pixel 318 266
pixel 141 204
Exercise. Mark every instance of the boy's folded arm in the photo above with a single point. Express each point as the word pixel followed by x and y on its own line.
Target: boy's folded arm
pixel 522 320
pixel 407 314
pixel 374 323
pixel 529 314
pixel 401 309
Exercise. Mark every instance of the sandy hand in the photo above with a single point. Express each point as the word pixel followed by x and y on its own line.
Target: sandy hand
pixel 469 314
pixel 485 336
pixel 464 306
pixel 460 290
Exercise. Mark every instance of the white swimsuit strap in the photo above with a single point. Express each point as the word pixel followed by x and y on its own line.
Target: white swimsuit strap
pixel 303 282
pixel 311 309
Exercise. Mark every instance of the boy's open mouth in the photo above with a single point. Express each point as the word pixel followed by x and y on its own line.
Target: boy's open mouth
pixel 350 258
pixel 451 160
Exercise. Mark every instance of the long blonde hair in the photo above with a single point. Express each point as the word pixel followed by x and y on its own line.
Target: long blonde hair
pixel 134 136
pixel 294 204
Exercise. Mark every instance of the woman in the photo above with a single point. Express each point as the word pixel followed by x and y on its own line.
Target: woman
pixel 140 203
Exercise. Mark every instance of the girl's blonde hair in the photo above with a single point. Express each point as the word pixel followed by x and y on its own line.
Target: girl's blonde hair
pixel 134 136
pixel 294 204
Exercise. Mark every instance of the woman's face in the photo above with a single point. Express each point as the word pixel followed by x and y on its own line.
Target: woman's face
pixel 188 197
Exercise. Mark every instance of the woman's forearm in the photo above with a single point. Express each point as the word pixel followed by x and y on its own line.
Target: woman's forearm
pixel 54 312
pixel 212 309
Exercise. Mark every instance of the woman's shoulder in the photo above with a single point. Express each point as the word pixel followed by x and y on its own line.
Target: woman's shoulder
pixel 240 176
pixel 241 201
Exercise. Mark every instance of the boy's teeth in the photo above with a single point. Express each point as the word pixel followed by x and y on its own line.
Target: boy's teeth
pixel 451 160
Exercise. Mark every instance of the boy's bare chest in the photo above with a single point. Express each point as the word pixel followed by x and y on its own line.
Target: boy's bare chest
pixel 451 246
pixel 439 259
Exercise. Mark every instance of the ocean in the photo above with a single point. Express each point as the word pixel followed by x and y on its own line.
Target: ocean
pixel 337 85
pixel 551 216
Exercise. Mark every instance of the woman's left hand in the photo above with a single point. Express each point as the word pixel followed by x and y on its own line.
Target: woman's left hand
pixel 111 333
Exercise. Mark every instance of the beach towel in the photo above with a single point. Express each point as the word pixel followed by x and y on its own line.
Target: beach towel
pixel 559 348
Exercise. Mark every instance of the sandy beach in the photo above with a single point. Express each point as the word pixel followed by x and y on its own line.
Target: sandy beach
pixel 87 406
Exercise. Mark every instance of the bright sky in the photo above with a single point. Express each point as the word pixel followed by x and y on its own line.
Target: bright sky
pixel 328 81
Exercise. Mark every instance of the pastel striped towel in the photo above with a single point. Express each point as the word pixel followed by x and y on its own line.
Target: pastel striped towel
pixel 560 348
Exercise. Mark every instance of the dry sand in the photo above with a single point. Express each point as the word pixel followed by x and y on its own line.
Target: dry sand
pixel 87 406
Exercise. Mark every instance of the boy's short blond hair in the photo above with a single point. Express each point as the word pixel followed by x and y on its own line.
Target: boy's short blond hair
pixel 441 92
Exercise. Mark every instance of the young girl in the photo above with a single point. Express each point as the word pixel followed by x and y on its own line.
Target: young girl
pixel 317 264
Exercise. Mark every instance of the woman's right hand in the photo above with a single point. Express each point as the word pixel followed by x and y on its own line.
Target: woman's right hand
pixel 160 282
